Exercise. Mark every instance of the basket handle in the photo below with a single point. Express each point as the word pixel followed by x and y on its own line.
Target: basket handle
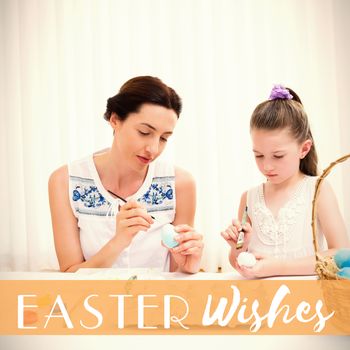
pixel 317 190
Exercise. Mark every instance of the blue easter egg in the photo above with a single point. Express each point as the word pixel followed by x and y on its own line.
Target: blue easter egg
pixel 342 258
pixel 344 273
pixel 168 234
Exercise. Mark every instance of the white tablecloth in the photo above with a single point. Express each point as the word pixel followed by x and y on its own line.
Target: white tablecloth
pixel 124 274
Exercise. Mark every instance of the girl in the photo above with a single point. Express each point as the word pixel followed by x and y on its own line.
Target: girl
pixel 278 229
pixel 93 225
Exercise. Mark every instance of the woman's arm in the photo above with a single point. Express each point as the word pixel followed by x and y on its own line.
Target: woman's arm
pixel 187 256
pixel 130 220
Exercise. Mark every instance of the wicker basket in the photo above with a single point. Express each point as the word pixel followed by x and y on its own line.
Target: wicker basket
pixel 334 288
pixel 326 268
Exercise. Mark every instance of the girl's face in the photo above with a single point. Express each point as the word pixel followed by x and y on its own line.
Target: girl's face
pixel 142 137
pixel 278 154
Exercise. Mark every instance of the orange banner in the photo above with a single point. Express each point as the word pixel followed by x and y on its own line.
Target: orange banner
pixel 175 307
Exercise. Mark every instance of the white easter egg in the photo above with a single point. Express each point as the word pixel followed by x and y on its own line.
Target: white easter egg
pixel 246 259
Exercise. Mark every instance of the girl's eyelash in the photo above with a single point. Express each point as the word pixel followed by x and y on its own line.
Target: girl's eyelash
pixel 261 156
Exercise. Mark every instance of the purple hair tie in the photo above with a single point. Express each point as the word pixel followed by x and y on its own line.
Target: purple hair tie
pixel 280 92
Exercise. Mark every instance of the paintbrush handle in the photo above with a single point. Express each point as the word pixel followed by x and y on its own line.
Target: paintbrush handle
pixel 240 239
pixel 125 201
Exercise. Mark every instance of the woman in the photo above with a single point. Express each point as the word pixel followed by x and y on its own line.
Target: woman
pixel 101 205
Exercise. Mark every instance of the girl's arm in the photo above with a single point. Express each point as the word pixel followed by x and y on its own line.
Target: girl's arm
pixel 331 221
pixel 66 231
pixel 187 256
pixel 333 228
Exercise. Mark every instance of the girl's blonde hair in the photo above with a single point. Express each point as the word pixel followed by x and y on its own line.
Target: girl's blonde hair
pixel 283 113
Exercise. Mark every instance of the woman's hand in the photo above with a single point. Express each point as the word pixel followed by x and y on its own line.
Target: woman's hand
pixel 265 266
pixel 131 219
pixel 187 255
pixel 232 232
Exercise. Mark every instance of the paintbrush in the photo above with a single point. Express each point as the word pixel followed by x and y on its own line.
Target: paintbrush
pixel 240 240
pixel 124 200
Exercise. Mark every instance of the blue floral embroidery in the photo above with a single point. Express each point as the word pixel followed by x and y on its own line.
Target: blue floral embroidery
pixel 157 194
pixel 88 200
pixel 76 195
pixel 89 195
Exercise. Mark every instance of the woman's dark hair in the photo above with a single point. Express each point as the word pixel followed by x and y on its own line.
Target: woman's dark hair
pixel 284 113
pixel 140 90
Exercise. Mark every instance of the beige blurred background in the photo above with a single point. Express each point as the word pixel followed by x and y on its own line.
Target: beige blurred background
pixel 61 59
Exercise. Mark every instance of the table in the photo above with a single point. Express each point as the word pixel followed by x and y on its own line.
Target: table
pixel 124 274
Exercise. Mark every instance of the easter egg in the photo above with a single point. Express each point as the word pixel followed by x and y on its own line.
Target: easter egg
pixel 168 234
pixel 30 316
pixel 342 258
pixel 344 273
pixel 44 300
pixel 246 259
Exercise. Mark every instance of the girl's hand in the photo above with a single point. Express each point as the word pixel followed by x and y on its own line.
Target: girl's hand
pixel 131 218
pixel 188 254
pixel 231 234
pixel 264 267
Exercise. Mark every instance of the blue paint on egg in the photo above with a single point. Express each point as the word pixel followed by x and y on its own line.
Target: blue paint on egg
pixel 344 273
pixel 168 234
pixel 342 258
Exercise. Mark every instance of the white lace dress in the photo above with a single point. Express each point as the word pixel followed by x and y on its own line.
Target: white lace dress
pixel 289 235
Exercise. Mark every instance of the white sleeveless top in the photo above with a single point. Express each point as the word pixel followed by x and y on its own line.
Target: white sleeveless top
pixel 95 208
pixel 290 234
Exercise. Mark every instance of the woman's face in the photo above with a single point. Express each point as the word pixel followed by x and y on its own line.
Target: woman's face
pixel 142 137
pixel 278 154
